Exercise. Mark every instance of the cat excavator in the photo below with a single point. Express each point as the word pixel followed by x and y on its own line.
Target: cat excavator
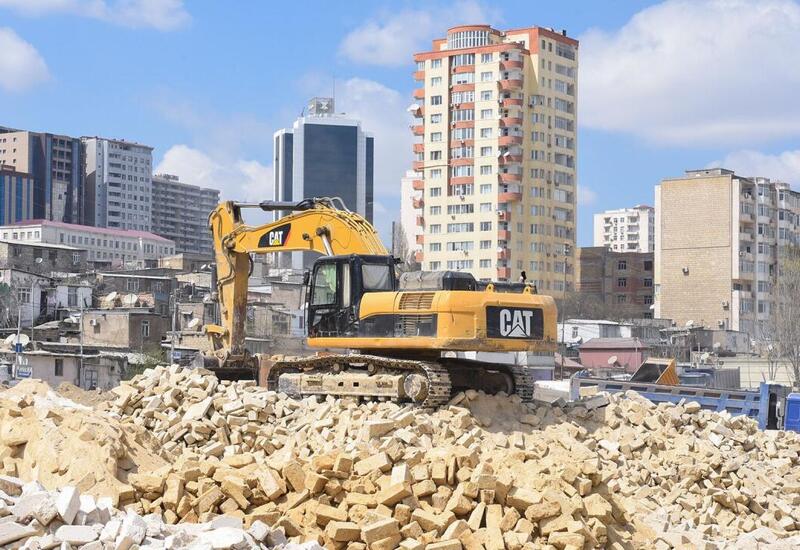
pixel 400 336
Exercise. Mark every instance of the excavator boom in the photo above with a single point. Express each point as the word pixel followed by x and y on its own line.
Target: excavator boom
pixel 321 225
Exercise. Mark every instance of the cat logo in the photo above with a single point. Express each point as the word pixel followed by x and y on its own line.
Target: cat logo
pixel 275 237
pixel 516 323
pixel 512 322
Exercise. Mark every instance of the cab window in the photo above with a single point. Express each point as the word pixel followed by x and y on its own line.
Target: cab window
pixel 324 288
pixel 376 277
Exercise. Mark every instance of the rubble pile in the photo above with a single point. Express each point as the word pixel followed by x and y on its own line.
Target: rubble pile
pixel 57 442
pixel 483 472
pixel 34 518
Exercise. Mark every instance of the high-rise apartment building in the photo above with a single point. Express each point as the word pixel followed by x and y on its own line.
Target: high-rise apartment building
pixel 117 184
pixel 16 195
pixel 53 161
pixel 180 213
pixel 716 248
pixel 496 154
pixel 325 154
pixel 626 229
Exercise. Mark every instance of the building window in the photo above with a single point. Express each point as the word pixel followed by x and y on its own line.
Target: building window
pixel 72 297
pixel 487 57
pixel 622 282
pixel 486 226
pixel 436 100
pixel 485 188
pixel 436 155
pixel 486 132
pixel 575 332
pixel 435 191
pixel 132 285
pixel 486 245
pixel 436 63
pixel 486 95
pixel 59 367
pixel 435 266
pixel 487 76
pixel 485 263
pixel 486 114
pixel 486 152
pixel 436 81
pixel 648 300
pixel 648 265
pixel 145 329
pixel 436 136
pixel 648 282
pixel 435 247
pixel 436 118
pixel 622 265
pixel 24 295
pixel 435 229
pixel 435 210
pixel 621 298
pixel 435 173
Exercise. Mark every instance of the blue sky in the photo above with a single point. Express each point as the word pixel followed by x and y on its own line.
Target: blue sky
pixel 662 86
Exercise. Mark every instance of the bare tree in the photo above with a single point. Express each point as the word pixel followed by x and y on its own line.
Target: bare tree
pixel 784 320
pixel 8 306
pixel 577 305
pixel 401 250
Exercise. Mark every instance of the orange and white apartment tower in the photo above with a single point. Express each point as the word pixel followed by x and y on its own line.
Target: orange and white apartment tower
pixel 495 154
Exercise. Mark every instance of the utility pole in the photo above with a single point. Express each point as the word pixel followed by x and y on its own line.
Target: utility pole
pixel 172 339
pixel 80 360
pixel 563 320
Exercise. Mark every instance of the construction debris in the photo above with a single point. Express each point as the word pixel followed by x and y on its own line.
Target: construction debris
pixel 483 472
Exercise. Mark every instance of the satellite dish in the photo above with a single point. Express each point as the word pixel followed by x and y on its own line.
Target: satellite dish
pixel 612 360
pixel 193 323
pixel 111 296
pixel 130 299
pixel 13 339
pixel 38 260
pixel 704 357
pixel 689 323
pixel 413 107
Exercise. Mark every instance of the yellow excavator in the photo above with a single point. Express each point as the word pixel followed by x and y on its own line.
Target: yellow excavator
pixel 400 335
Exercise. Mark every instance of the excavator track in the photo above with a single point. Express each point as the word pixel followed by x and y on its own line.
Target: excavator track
pixel 425 383
pixel 367 376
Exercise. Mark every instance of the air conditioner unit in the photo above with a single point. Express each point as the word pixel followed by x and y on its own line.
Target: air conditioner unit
pixel 93 322
pixel 721 323
pixel 725 304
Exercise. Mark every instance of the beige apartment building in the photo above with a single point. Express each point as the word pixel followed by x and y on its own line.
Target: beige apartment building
pixel 717 239
pixel 495 156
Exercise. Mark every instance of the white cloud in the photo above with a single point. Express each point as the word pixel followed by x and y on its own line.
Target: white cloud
pixel 783 166
pixel 586 196
pixel 691 72
pixel 237 179
pixel 392 37
pixel 21 66
pixel 163 15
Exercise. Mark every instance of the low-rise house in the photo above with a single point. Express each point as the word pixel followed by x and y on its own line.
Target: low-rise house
pixel 613 353
pixel 42 258
pixel 577 331
pixel 149 290
pixel 23 297
pixel 90 371
pixel 134 329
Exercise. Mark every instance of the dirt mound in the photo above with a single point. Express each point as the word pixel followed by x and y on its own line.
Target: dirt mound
pixel 91 398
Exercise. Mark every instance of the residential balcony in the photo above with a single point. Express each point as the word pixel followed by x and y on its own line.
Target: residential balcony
pixel 419 93
pixel 509 196
pixel 509 159
pixel 510 121
pixel 418 203
pixel 420 239
pixel 419 75
pixel 509 177
pixel 463 69
pixel 418 130
pixel 744 236
pixel 418 185
pixel 420 221
pixel 417 164
pixel 509 140
pixel 504 215
pixel 510 84
pixel 461 180
pixel 463 87
pixel 419 256
pixel 418 147
pixel 510 64
pixel 464 124
pixel 462 161
pixel 508 102
pixel 503 234
pixel 419 112
pixel 503 254
pixel 504 273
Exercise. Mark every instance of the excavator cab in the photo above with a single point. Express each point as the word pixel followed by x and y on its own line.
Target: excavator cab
pixel 335 287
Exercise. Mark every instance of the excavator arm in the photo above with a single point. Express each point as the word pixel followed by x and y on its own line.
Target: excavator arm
pixel 321 225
